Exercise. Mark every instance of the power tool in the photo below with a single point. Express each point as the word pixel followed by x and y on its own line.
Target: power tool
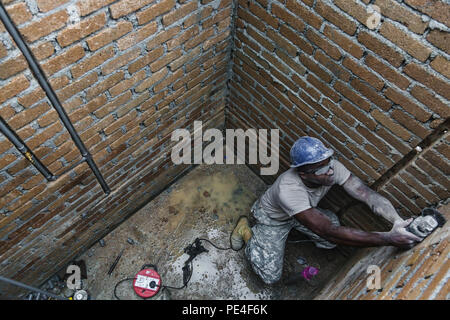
pixel 429 220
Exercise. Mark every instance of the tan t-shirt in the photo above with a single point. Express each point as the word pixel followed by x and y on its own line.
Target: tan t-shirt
pixel 288 195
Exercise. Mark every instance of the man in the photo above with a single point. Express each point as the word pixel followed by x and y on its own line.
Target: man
pixel 291 202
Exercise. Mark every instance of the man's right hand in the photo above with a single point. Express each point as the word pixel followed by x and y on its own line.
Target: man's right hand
pixel 400 237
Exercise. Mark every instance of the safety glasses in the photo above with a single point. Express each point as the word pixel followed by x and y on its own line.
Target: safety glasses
pixel 321 170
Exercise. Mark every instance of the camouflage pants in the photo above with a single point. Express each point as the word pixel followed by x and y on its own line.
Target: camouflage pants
pixel 265 249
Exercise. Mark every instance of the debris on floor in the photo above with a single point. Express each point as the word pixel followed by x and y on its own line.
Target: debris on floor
pixel 205 204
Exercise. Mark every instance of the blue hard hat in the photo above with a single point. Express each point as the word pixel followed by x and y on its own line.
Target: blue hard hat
pixel 308 150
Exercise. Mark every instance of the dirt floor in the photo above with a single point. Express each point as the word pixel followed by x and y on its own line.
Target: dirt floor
pixel 205 203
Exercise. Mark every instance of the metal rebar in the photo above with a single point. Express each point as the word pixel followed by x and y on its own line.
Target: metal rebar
pixel 23 148
pixel 43 82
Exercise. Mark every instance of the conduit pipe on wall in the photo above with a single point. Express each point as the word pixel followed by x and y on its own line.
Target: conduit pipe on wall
pixel 43 82
pixel 22 147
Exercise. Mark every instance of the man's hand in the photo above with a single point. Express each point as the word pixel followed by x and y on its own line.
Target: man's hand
pixel 400 237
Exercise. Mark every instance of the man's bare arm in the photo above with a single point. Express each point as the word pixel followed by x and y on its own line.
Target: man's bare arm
pixel 376 202
pixel 321 225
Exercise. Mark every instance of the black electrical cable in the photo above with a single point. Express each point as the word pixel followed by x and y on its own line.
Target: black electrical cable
pixel 187 270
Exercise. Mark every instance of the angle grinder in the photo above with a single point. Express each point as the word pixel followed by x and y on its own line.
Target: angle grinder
pixel 423 225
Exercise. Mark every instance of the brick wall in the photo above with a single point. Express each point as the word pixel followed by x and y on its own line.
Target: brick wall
pixel 318 67
pixel 127 73
pixel 420 273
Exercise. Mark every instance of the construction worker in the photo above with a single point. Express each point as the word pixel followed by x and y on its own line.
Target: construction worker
pixel 291 202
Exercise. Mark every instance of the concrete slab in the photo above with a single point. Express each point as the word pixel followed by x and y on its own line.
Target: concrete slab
pixel 205 203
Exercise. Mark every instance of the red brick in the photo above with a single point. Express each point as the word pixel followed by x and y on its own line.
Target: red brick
pixel 165 60
pixel 288 18
pixel 125 7
pixel 155 10
pixel 410 124
pixel 418 73
pixel 182 38
pixel 325 45
pixel 249 18
pixel 120 61
pixel 325 89
pixel 137 36
pixel 3 51
pixel 179 13
pixel 431 101
pixel 391 125
pixel 312 66
pixel 387 72
pixel 336 18
pixel 19 14
pixel 149 82
pixel 353 8
pixel 398 12
pixel 215 40
pixel 439 10
pixel 108 35
pixel 263 15
pixel 293 37
pixel 414 47
pixel 15 86
pixel 344 42
pixel 298 68
pixel 352 96
pixel 147 59
pixel 363 73
pixel 81 30
pixel 104 85
pixel 195 18
pixel 26 116
pixel 199 39
pixel 336 69
pixel 7 112
pixel 440 39
pixel 77 86
pixel 260 39
pixel 88 6
pixel 305 13
pixel 441 65
pixel 12 67
pixel 184 59
pixel 47 5
pixel 371 94
pixel 409 106
pixel 358 114
pixel 43 50
pixel 113 105
pixel 63 60
pixel 90 63
pixel 386 52
pixel 45 26
pixel 217 18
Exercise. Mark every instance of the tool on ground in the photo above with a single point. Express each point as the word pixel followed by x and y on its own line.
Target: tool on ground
pixel 80 295
pixel 113 266
pixel 147 282
pixel 429 220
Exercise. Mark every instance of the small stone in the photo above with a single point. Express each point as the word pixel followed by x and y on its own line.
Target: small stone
pixel 130 241
pixel 206 194
pixel 102 243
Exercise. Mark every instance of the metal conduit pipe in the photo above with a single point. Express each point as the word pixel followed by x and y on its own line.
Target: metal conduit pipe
pixel 23 148
pixel 43 82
